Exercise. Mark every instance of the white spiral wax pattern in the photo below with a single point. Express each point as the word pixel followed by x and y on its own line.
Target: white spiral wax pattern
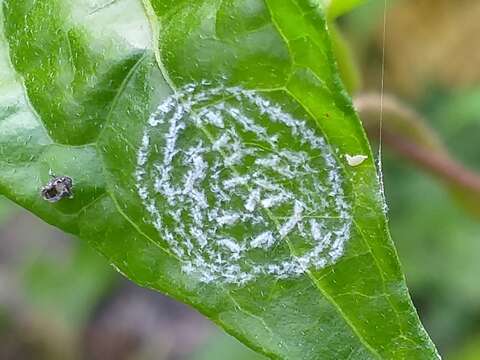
pixel 238 188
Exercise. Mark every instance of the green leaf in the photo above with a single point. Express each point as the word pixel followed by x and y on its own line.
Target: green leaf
pixel 340 7
pixel 208 155
pixel 347 66
pixel 336 8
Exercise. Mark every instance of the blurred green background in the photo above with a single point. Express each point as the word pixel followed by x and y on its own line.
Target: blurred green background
pixel 59 300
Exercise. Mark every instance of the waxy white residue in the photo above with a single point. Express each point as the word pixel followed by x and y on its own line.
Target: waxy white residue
pixel 234 187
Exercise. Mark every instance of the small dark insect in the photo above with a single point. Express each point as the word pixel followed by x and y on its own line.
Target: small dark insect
pixel 58 188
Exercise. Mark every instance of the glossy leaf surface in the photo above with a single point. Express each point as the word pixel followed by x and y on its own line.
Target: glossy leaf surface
pixel 207 144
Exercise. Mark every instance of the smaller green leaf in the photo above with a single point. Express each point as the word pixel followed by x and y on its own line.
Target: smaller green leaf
pixel 335 8
pixel 347 67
